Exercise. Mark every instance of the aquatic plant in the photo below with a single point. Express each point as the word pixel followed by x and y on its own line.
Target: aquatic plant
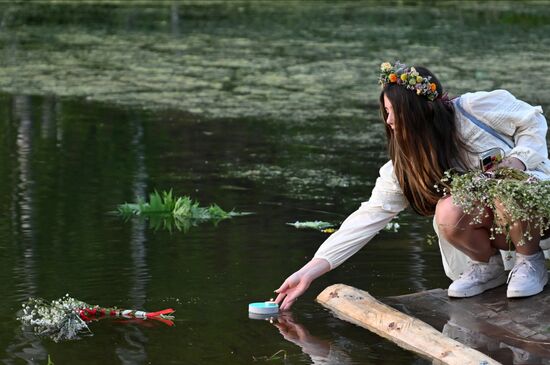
pixel 524 198
pixel 279 355
pixel 431 239
pixel 318 225
pixel 65 318
pixel 392 227
pixel 327 227
pixel 168 212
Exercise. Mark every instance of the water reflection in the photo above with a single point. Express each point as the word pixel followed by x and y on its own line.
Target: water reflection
pixel 23 198
pixel 527 346
pixel 134 352
pixel 175 19
pixel 24 345
pixel 321 351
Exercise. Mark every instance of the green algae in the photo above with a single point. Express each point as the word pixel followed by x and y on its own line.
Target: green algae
pixel 248 60
pixel 299 182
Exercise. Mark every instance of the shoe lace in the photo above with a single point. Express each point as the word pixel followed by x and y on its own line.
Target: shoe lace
pixel 526 265
pixel 472 270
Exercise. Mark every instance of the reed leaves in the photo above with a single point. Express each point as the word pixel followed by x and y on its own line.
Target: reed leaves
pixel 166 211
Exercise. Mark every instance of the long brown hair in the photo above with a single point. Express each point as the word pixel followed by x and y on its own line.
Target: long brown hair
pixel 424 142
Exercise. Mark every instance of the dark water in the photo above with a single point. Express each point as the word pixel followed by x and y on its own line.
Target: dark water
pixel 277 140
pixel 67 163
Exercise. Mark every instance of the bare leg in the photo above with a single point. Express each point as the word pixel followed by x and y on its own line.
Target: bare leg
pixel 525 247
pixel 486 269
pixel 529 275
pixel 472 239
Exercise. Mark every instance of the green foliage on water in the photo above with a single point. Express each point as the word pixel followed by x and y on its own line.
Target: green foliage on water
pixel 327 227
pixel 324 227
pixel 288 61
pixel 318 225
pixel 165 211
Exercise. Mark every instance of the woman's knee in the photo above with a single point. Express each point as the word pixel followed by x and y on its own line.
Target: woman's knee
pixel 450 218
pixel 447 213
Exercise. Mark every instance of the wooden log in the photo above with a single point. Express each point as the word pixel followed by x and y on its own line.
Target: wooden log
pixel 504 329
pixel 360 308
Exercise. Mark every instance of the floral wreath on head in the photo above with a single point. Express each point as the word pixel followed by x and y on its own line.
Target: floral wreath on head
pixel 408 77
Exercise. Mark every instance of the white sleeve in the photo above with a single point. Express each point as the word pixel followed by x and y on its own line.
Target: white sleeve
pixel 517 119
pixel 386 201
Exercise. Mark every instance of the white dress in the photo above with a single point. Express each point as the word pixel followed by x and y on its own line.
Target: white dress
pixel 521 126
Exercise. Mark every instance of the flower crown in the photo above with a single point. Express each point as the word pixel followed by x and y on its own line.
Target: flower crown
pixel 408 77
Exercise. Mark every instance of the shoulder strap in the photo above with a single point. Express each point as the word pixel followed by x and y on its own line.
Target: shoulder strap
pixel 481 125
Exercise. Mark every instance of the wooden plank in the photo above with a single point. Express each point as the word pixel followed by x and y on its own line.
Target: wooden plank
pixel 508 330
pixel 359 307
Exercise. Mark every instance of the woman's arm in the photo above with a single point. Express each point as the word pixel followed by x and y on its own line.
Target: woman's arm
pixel 515 118
pixel 386 201
pixel 530 141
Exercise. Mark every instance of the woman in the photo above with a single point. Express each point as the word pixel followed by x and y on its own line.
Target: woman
pixel 428 134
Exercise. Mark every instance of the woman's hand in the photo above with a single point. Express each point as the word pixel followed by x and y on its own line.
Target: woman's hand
pixel 512 162
pixel 294 286
pixel 297 283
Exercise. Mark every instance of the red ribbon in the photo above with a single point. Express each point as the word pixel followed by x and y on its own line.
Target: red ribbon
pixel 87 314
pixel 157 314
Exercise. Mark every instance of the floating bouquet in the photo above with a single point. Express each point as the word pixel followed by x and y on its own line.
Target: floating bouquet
pixel 525 198
pixel 66 317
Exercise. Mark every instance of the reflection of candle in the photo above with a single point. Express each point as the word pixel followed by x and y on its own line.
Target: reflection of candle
pixel 263 308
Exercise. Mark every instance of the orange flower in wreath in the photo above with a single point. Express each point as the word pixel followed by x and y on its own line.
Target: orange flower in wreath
pixel 392 77
pixel 433 86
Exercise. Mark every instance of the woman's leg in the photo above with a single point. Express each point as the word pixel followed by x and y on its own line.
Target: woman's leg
pixel 529 275
pixel 486 270
pixel 524 245
pixel 474 239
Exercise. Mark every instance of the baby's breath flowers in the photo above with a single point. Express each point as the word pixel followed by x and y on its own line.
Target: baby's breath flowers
pixel 524 198
pixel 66 317
pixel 58 319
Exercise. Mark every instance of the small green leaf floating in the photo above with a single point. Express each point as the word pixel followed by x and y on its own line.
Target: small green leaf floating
pixel 318 225
pixel 327 227
pixel 166 212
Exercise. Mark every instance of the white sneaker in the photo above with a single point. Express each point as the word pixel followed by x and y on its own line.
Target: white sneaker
pixel 528 277
pixel 478 277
